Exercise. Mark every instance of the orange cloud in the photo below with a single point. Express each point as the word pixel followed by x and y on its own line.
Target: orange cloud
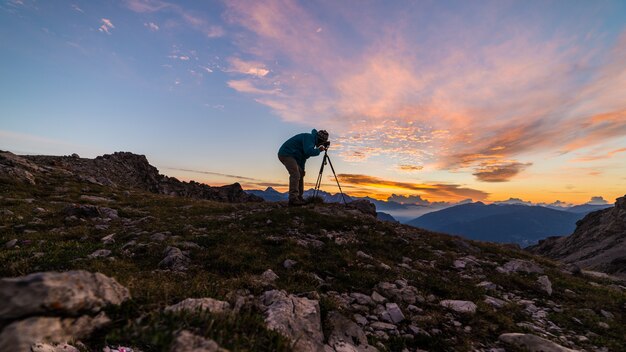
pixel 410 168
pixel 595 157
pixel 432 191
pixel 499 172
pixel 469 102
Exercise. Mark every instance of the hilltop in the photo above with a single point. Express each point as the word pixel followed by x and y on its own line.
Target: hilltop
pixel 179 269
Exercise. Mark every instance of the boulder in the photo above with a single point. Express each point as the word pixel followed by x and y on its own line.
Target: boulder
pixel 174 259
pixel 200 304
pixel 298 318
pixel 532 343
pixel 394 313
pixel 21 335
pixel 520 265
pixel 545 284
pixel 71 293
pixel 459 306
pixel 269 276
pixel 345 335
pixel 186 341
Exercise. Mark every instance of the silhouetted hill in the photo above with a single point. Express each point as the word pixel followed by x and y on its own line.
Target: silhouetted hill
pixel 504 223
pixel 599 242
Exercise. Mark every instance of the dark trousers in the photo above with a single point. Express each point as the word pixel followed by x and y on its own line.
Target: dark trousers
pixel 296 176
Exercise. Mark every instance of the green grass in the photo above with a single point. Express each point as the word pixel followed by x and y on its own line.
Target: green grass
pixel 240 241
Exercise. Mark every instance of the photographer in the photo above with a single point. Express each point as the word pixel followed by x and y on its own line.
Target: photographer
pixel 293 154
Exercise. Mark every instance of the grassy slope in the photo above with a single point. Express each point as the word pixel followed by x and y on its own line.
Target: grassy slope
pixel 238 243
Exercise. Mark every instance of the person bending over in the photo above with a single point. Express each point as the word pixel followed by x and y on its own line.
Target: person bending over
pixel 294 153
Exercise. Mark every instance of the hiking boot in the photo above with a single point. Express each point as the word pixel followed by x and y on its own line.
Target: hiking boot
pixel 296 202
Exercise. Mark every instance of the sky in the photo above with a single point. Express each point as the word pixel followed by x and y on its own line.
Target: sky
pixel 425 101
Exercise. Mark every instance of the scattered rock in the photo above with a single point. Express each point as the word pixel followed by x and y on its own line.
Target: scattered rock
pixel 532 343
pixel 159 236
pixel 200 304
pixel 362 299
pixel 379 325
pixel 109 239
pixel 100 253
pixel 520 265
pixel 295 317
pixel 345 335
pixel 69 292
pixel 95 199
pixel 378 298
pixel 185 341
pixel 45 347
pixel 11 243
pixel 22 334
pixel 545 284
pixel 174 259
pixel 363 255
pixel 394 313
pixel 288 263
pixel 269 276
pixel 459 306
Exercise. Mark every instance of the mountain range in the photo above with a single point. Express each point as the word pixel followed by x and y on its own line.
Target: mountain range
pixel 506 223
pixel 510 221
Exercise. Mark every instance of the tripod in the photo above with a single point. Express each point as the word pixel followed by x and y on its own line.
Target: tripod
pixel 319 177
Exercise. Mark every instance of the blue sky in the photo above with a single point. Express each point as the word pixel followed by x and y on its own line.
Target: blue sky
pixel 445 100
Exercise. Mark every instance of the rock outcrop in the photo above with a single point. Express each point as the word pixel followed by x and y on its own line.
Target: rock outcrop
pixel 120 170
pixel 52 307
pixel 298 318
pixel 598 243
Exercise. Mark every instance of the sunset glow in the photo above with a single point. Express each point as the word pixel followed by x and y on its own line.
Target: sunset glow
pixel 445 100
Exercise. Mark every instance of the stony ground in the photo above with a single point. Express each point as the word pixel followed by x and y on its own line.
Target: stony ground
pixel 282 279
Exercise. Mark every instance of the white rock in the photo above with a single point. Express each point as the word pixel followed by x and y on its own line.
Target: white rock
pixel 378 298
pixel 22 334
pixel 520 265
pixel 533 343
pixel 459 306
pixel 200 304
pixel 545 284
pixel 108 239
pixel 288 263
pixel 269 276
pixel 100 253
pixel 69 292
pixel 394 312
pixel 298 318
pixel 11 243
pixel 185 341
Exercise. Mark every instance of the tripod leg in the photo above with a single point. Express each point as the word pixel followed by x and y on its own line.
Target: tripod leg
pixel 318 184
pixel 336 179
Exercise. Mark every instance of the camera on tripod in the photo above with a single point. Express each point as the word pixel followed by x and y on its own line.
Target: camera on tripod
pixel 326 144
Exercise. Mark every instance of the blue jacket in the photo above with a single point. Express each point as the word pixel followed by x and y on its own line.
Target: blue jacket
pixel 300 147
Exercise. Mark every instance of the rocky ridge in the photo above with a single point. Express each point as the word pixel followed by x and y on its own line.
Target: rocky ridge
pixel 598 243
pixel 118 170
pixel 111 268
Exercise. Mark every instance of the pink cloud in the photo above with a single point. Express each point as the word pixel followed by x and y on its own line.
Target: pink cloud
pixel 106 26
pixel 188 17
pixel 478 102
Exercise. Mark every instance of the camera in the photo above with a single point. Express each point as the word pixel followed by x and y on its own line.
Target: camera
pixel 326 144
